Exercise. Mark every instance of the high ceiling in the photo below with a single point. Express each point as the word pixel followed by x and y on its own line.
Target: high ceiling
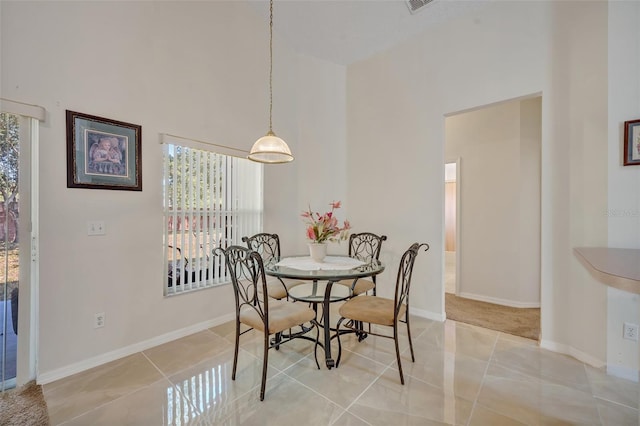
pixel 344 31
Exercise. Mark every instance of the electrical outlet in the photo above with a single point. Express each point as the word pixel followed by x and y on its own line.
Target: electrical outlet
pixel 98 320
pixel 95 227
pixel 630 331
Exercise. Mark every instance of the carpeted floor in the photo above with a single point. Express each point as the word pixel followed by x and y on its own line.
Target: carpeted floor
pixel 524 322
pixel 24 406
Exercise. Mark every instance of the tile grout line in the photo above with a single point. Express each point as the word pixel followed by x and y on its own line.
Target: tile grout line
pixel 616 403
pixel 387 367
pixel 344 410
pixel 121 396
pixel 175 386
pixel 484 375
pixel 596 397
pixel 384 370
pixel 185 396
pixel 584 368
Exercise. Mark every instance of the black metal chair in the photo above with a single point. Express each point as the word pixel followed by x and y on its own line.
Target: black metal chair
pixel 267 315
pixel 383 311
pixel 181 271
pixel 364 246
pixel 268 246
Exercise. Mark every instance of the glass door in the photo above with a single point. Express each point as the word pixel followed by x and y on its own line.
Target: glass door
pixel 9 246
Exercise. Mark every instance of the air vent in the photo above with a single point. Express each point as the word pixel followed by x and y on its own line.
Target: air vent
pixel 415 5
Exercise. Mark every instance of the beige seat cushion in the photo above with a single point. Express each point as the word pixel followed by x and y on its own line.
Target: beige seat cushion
pixel 275 288
pixel 282 315
pixel 362 286
pixel 373 309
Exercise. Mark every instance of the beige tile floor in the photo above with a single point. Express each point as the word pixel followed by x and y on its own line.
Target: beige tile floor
pixel 463 375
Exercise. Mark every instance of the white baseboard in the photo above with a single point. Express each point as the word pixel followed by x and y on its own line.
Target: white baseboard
pixel 571 351
pixel 60 373
pixel 427 314
pixel 622 372
pixel 498 301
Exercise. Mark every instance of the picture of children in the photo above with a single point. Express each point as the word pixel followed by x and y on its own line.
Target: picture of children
pixel 103 153
pixel 99 151
pixel 105 156
pixel 114 155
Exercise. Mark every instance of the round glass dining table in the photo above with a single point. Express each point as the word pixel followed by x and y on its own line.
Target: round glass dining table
pixel 320 289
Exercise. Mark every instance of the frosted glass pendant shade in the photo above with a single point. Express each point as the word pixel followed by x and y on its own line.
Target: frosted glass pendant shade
pixel 270 149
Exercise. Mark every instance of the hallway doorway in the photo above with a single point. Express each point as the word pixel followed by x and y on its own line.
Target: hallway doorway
pixel 492 223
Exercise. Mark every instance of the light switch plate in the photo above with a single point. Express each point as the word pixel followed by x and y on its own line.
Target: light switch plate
pixel 95 227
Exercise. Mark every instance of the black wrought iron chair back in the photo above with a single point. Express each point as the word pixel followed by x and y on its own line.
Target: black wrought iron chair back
pixel 383 311
pixel 364 246
pixel 268 246
pixel 270 316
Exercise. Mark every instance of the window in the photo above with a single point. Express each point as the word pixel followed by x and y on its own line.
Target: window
pixel 210 200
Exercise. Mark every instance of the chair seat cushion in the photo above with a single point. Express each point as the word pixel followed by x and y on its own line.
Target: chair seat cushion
pixel 362 286
pixel 278 291
pixel 282 315
pixel 372 309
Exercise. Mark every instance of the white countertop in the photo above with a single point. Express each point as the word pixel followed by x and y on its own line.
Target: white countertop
pixel 615 267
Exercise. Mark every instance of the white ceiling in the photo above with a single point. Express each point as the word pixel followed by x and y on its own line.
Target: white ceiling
pixel 344 31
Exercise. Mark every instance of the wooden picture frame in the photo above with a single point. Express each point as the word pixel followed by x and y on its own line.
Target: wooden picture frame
pixel 103 153
pixel 632 143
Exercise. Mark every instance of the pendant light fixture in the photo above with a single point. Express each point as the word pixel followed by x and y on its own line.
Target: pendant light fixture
pixel 270 149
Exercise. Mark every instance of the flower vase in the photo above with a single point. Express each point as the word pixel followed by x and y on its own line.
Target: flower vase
pixel 318 251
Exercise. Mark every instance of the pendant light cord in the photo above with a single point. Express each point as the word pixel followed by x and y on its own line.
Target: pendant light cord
pixel 270 66
pixel 270 149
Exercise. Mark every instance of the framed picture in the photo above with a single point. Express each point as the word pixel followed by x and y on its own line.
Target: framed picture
pixel 632 143
pixel 103 153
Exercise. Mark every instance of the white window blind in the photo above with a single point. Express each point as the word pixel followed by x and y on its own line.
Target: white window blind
pixel 210 200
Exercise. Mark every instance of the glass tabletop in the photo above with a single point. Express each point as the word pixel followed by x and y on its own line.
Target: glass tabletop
pixel 323 271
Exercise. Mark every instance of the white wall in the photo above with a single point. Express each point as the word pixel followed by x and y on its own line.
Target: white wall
pixel 499 151
pixel 397 101
pixel 574 177
pixel 529 234
pixel 317 175
pixel 193 69
pixel 623 211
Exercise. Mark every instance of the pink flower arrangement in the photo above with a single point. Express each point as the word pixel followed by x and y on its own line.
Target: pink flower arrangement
pixel 324 227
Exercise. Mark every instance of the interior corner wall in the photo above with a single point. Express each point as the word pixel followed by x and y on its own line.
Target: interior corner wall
pixel 499 151
pixel 574 180
pixel 317 176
